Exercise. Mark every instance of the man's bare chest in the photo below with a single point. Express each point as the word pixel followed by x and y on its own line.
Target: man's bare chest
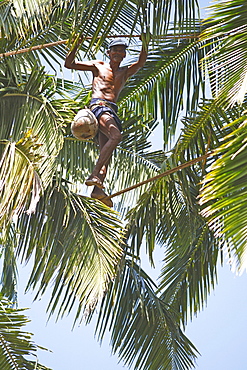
pixel 117 77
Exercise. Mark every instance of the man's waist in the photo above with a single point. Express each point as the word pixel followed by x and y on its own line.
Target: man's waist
pixel 103 102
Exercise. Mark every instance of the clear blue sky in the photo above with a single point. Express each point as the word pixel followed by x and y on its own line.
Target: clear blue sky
pixel 219 331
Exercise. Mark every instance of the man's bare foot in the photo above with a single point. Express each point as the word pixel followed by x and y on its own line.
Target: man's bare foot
pixel 94 181
pixel 100 195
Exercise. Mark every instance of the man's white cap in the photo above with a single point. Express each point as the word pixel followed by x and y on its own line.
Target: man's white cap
pixel 118 41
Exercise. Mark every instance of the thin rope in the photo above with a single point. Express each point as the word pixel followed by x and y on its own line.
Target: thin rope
pixel 163 174
pixel 60 42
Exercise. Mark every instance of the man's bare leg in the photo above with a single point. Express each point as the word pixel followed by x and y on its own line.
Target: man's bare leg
pixel 98 193
pixel 110 130
pixel 109 138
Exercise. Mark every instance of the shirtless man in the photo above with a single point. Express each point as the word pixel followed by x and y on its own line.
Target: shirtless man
pixel 108 81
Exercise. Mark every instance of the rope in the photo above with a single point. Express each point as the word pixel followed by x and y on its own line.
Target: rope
pixel 37 47
pixel 60 42
pixel 163 174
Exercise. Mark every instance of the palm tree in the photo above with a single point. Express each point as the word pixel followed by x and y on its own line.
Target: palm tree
pixel 90 252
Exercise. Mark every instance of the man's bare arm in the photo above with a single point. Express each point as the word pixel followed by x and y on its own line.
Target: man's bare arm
pixel 142 57
pixel 83 66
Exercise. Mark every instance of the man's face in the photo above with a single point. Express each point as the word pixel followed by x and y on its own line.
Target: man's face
pixel 117 53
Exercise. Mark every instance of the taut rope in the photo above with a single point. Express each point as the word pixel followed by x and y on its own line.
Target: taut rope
pixel 163 174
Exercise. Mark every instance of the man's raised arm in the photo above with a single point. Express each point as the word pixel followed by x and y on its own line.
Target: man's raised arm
pixel 72 64
pixel 142 57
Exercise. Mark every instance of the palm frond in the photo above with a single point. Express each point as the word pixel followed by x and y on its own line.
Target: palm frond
pixel 146 218
pixel 226 62
pixel 48 22
pixel 31 111
pixel 223 192
pixel 144 331
pixel 189 273
pixel 8 242
pixel 21 19
pixel 205 128
pixel 17 179
pixel 154 218
pixel 76 242
pixel 168 215
pixel 178 16
pixel 44 22
pixel 16 344
pixel 157 157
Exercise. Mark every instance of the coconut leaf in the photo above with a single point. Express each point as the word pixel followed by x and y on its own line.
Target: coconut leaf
pixel 223 192
pixel 16 344
pixel 226 63
pixel 76 242
pixel 17 179
pixel 144 331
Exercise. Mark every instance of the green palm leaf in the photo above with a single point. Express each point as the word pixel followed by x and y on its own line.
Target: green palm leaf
pixel 223 192
pixel 189 273
pixel 31 111
pixel 76 242
pixel 227 61
pixel 16 344
pixel 168 215
pixel 47 22
pixel 28 164
pixel 180 15
pixel 9 277
pixel 143 329
pixel 204 129
pixel 15 190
